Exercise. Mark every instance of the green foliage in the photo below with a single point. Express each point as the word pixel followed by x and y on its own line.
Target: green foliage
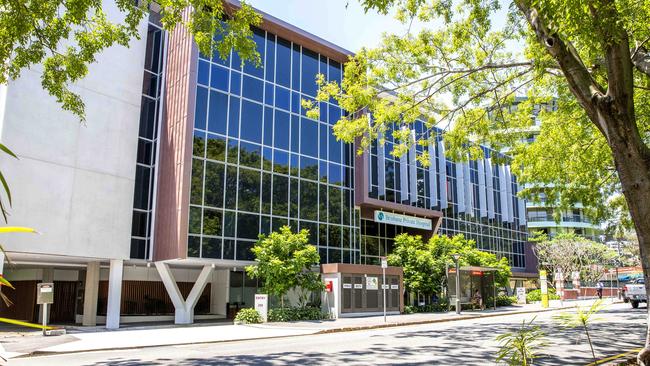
pixel 536 295
pixel 5 186
pixel 248 316
pixel 520 347
pixel 65 36
pixel 503 300
pixel 582 318
pixel 296 314
pixel 424 264
pixel 440 307
pixel 284 261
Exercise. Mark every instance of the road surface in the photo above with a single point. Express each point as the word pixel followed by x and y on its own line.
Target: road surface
pixel 465 342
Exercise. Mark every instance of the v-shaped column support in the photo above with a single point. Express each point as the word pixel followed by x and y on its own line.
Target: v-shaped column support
pixel 184 313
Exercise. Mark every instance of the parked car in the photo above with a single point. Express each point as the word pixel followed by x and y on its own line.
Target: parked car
pixel 635 292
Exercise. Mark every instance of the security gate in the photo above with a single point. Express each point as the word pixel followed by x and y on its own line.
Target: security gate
pixel 363 293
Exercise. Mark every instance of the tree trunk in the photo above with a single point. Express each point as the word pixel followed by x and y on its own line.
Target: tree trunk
pixel 632 160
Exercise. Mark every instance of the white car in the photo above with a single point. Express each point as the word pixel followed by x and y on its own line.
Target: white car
pixel 635 292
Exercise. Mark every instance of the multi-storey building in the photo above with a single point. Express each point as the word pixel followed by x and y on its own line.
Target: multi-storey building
pixel 149 210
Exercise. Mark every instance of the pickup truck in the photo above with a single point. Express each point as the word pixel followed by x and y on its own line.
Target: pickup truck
pixel 635 292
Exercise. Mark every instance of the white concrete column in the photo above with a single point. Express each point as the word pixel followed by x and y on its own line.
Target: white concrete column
pixel 184 309
pixel 91 292
pixel 219 291
pixel 114 294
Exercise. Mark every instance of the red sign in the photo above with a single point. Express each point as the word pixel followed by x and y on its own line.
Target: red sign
pixel 328 286
pixel 477 273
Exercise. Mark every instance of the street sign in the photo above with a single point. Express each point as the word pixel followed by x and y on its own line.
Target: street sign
pixel 328 286
pixel 262 305
pixel 44 293
pixel 384 262
pixel 372 283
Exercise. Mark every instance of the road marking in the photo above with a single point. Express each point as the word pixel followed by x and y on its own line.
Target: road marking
pixel 611 358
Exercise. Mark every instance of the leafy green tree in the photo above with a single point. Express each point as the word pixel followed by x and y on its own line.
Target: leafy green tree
pixel 585 62
pixel 520 347
pixel 424 264
pixel 284 262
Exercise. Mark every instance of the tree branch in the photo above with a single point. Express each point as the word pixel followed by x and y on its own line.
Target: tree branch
pixel 641 60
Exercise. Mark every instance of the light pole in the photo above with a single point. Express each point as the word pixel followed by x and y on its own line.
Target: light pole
pixel 456 257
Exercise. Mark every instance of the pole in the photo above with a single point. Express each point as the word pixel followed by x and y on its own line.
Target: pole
pixel 457 287
pixel 44 317
pixel 383 286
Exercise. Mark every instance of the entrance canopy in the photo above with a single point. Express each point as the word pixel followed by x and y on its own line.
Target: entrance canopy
pixel 477 284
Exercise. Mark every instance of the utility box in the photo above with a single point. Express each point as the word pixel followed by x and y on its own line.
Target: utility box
pixel 44 293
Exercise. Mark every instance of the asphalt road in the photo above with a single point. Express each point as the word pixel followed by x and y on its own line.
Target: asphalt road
pixel 466 342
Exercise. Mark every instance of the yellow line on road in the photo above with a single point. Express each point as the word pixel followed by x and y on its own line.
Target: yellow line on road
pixel 611 358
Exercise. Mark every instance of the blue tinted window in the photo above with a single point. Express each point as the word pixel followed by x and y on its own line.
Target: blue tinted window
pixel 309 168
pixel 233 120
pixel 270 57
pixel 283 63
pixel 295 102
pixel 323 112
pixel 334 73
pixel 309 137
pixel 335 148
pixel 280 162
pixel 334 114
pixel 253 88
pixel 295 166
pixel 335 174
pixel 295 133
pixel 268 94
pixel 250 68
pixel 201 108
pixel 281 130
pixel 295 70
pixel 218 112
pixel 251 121
pixel 322 171
pixel 268 126
pixel 236 61
pixel 323 138
pixel 282 96
pixel 216 58
pixel 219 78
pixel 203 73
pixel 309 71
pixel 235 83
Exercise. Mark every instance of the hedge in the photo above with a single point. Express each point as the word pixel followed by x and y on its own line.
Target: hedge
pixel 295 313
pixel 248 316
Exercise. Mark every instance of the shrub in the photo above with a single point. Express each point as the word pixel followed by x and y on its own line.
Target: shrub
pixel 503 300
pixel 536 295
pixel 248 316
pixel 440 306
pixel 295 314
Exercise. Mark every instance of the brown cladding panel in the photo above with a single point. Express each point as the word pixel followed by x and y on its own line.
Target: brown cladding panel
pixel 175 164
pixel 24 301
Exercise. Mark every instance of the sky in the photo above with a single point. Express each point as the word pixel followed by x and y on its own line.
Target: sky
pixel 350 28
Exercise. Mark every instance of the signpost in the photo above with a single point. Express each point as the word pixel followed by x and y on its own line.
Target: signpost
pixel 44 296
pixel 262 305
pixel 384 265
pixel 544 288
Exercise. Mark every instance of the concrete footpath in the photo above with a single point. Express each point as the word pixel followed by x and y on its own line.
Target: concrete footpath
pixel 79 339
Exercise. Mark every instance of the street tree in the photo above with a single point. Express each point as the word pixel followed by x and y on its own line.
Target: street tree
pixel 461 66
pixel 425 263
pixel 284 261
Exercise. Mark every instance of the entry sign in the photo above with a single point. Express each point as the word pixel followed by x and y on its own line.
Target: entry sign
pixel 44 293
pixel 262 305
pixel 521 295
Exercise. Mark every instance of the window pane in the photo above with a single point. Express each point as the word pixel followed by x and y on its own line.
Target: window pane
pixel 211 248
pixel 193 246
pixel 233 118
pixel 145 151
pixel 280 162
pixel 196 193
pixel 281 130
pixel 249 190
pixel 219 78
pixel 231 187
pixel 228 249
pixel 266 193
pixel 235 82
pixel 322 204
pixel 147 117
pixel 295 71
pixel 308 200
pixel 309 71
pixel 268 126
pixel 214 184
pixel 250 155
pixel 295 133
pixel 283 63
pixel 251 120
pixel 250 68
pixel 253 89
pixel 139 224
pixel 244 251
pixel 282 97
pixel 216 148
pixel 334 203
pixel 233 151
pixel 218 112
pixel 211 222
pixel 198 145
pixel 280 195
pixel 248 226
pixel 270 57
pixel 195 220
pixel 309 137
pixel 203 73
pixel 308 168
pixel 293 198
pixel 201 108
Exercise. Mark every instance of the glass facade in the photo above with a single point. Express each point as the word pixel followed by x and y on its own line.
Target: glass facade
pixel 147 143
pixel 259 163
pixel 488 213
